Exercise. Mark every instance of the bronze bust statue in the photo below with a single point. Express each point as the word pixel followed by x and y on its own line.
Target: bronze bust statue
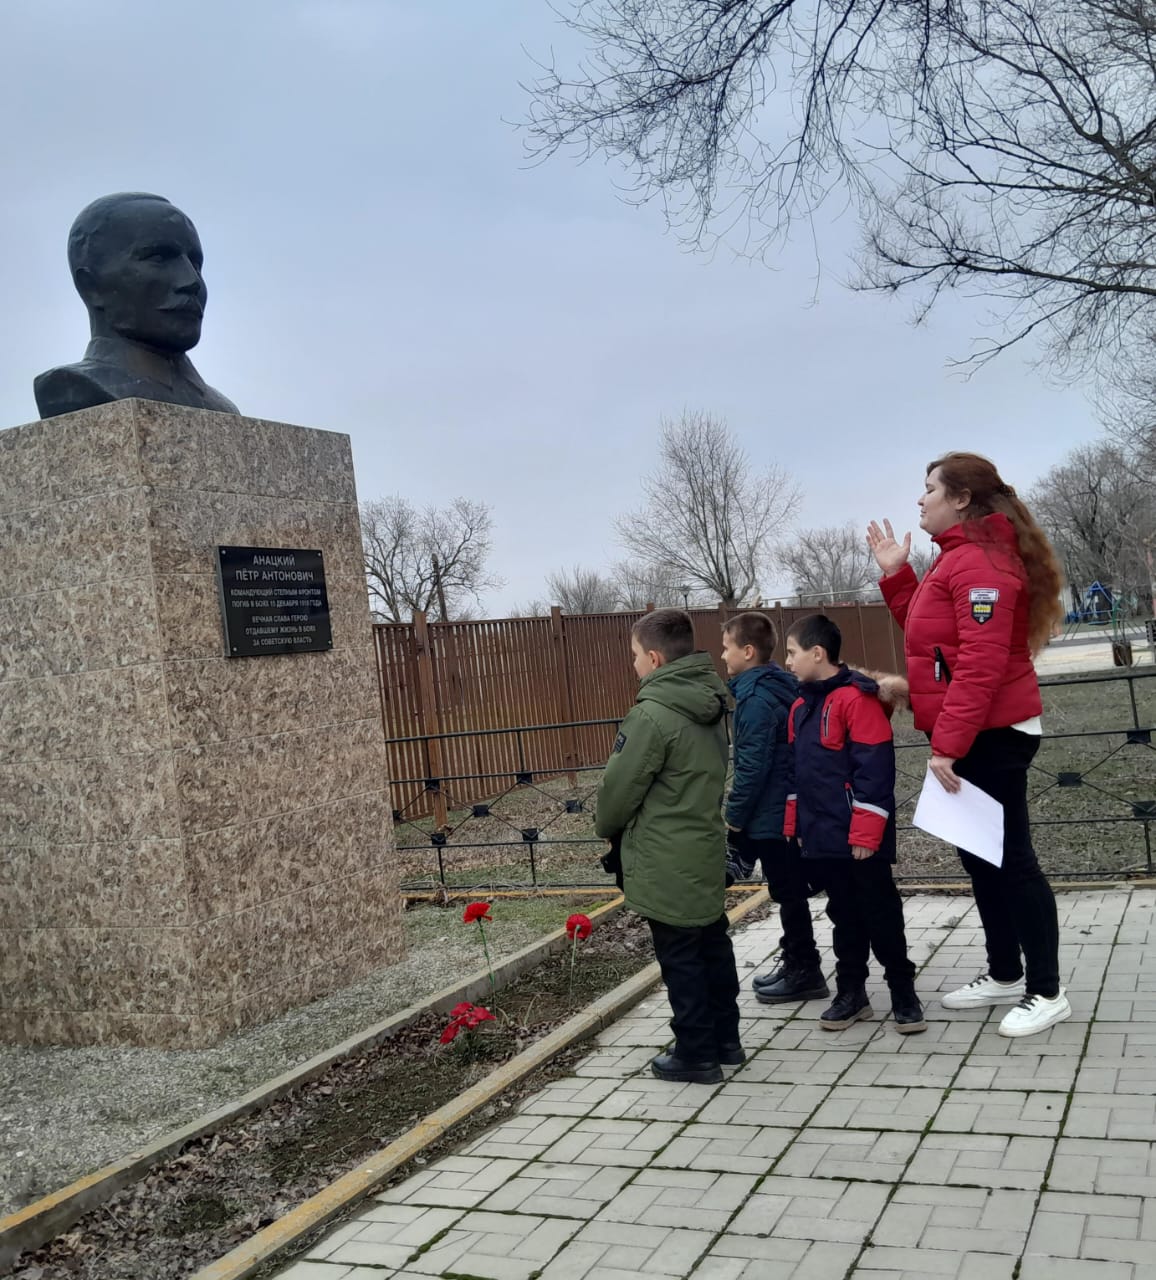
pixel 136 261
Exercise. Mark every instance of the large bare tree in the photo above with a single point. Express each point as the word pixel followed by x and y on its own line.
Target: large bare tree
pixel 535 608
pixel 1005 147
pixel 639 585
pixel 580 590
pixel 1128 410
pixel 1101 519
pixel 416 558
pixel 710 517
pixel 627 587
pixel 830 564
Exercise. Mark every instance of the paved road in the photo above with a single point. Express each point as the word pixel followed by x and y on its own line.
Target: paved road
pixel 1088 654
pixel 853 1154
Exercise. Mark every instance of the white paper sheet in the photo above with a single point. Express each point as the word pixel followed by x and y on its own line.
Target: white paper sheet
pixel 970 819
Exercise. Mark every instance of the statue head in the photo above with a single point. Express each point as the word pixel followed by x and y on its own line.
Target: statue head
pixel 136 261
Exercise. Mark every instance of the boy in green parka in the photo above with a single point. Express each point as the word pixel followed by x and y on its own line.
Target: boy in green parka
pixel 661 797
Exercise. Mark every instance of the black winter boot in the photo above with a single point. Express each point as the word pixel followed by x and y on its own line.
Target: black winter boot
pixel 849 1007
pixel 731 1054
pixel 772 975
pixel 793 984
pixel 669 1067
pixel 907 1011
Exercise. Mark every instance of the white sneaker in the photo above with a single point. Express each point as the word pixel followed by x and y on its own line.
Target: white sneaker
pixel 983 993
pixel 1034 1014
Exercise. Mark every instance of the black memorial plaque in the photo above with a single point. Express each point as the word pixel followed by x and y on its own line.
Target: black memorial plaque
pixel 273 600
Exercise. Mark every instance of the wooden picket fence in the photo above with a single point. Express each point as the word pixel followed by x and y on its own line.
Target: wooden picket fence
pixel 447 687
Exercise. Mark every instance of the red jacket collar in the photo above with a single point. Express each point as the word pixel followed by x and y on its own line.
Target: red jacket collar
pixel 993 528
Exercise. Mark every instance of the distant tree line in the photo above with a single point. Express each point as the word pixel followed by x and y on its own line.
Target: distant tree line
pixel 713 529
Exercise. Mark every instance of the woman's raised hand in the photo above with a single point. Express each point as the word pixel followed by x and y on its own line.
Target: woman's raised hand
pixel 889 554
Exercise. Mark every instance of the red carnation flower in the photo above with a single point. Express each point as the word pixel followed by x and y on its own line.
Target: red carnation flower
pixel 465 1017
pixel 579 926
pixel 476 911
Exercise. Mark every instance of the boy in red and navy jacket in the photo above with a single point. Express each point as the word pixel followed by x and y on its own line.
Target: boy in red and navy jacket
pixel 842 810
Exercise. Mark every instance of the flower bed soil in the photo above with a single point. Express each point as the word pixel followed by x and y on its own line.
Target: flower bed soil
pixel 222 1188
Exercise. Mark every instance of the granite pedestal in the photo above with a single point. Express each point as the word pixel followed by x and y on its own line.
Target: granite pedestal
pixel 189 843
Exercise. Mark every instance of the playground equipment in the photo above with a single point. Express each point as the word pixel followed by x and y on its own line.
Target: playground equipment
pixel 1097 608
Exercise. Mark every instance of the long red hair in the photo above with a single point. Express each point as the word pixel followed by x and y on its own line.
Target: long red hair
pixel 975 477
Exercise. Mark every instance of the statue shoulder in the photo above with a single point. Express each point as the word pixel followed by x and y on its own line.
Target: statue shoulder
pixel 70 387
pixel 219 403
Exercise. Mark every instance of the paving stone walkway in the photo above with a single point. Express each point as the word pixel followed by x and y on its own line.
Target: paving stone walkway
pixel 859 1153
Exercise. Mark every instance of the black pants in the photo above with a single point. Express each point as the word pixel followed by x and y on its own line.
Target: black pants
pixel 789 887
pixel 698 967
pixel 865 907
pixel 1015 902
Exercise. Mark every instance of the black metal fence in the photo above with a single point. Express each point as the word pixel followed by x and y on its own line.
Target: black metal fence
pixel 1093 799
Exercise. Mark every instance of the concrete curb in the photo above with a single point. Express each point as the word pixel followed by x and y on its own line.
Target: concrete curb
pixel 44 1219
pixel 360 1182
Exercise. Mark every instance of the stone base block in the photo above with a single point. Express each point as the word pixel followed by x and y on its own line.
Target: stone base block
pixel 188 842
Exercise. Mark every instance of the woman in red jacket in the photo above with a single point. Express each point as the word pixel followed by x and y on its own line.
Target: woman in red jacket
pixel 986 605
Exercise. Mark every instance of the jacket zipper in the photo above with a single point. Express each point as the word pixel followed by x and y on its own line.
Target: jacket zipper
pixel 942 670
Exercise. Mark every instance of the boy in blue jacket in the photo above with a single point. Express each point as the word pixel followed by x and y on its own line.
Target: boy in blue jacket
pixel 842 808
pixel 756 807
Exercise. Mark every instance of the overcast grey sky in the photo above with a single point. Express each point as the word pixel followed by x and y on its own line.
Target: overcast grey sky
pixel 381 262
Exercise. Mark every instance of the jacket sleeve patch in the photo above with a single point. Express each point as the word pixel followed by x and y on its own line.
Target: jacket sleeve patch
pixel 619 743
pixel 983 602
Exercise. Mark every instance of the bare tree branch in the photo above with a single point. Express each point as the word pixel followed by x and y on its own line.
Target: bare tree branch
pixel 831 564
pixel 408 550
pixel 1002 147
pixel 1101 520
pixel 709 518
pixel 581 590
pixel 639 585
pixel 1128 410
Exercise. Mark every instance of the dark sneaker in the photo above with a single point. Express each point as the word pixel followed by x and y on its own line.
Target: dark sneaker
pixel 667 1067
pixel 907 1012
pixel 794 984
pixel 849 1007
pixel 731 1054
